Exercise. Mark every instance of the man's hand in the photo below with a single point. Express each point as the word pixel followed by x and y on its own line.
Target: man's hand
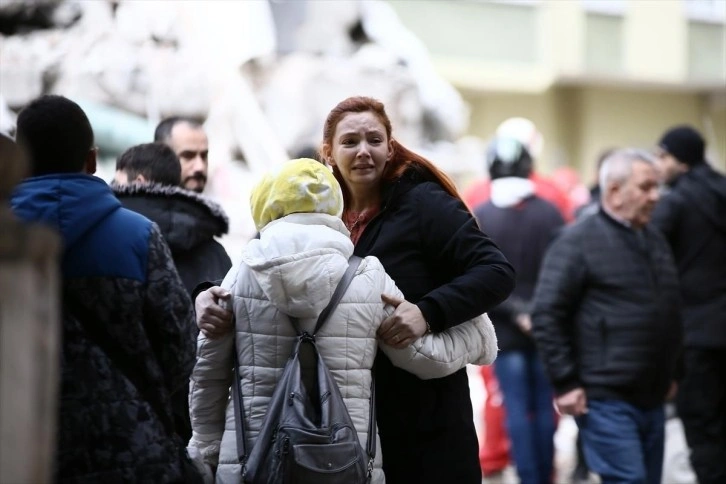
pixel 572 403
pixel 404 326
pixel 672 391
pixel 212 319
pixel 524 321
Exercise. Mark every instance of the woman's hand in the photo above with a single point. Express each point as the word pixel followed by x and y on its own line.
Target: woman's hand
pixel 212 319
pixel 404 326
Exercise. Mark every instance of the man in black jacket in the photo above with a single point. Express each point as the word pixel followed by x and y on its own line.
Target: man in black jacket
pixel 692 216
pixel 607 324
pixel 523 225
pixel 188 221
pixel 147 182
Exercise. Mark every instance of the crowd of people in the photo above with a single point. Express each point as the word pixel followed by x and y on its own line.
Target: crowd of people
pixel 171 355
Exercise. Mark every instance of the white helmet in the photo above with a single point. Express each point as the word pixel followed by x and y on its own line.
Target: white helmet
pixel 524 131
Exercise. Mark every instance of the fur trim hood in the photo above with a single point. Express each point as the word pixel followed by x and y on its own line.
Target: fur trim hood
pixel 186 218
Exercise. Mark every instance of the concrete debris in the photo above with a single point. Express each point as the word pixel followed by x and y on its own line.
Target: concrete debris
pixel 263 74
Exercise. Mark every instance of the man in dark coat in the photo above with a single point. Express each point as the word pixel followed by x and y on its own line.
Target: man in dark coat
pixel 522 224
pixel 128 323
pixel 187 220
pixel 692 216
pixel 607 323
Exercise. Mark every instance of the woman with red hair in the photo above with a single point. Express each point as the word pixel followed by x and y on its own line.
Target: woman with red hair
pixel 402 209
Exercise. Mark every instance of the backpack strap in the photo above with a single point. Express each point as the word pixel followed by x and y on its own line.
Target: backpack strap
pixel 353 264
pixel 239 414
pixel 371 443
pixel 239 417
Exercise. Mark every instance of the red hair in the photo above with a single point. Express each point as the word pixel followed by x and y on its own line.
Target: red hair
pixel 402 158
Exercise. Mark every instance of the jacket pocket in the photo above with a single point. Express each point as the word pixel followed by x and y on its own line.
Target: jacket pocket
pixel 326 464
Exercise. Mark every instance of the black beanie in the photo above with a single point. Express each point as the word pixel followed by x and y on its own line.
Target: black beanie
pixel 685 144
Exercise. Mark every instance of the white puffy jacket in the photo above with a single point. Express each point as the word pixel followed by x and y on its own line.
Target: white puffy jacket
pixel 293 270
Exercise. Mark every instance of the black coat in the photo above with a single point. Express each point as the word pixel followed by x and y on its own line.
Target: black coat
pixel 432 248
pixel 189 222
pixel 607 312
pixel 523 231
pixel 692 216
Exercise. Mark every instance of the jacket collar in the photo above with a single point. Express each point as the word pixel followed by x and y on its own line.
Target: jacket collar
pixel 168 191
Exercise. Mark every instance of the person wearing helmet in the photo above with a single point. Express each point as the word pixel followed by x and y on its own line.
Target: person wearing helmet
pixel 524 131
pixel 522 224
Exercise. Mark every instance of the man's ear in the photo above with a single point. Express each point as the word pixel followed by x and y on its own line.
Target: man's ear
pixel 616 194
pixel 139 179
pixel 90 167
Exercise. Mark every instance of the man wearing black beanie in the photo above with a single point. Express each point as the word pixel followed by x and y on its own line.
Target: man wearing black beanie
pixel 692 216
pixel 679 149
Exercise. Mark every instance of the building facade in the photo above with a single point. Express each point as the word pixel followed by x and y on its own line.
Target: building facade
pixel 591 74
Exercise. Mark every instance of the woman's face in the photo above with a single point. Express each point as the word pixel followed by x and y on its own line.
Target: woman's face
pixel 360 148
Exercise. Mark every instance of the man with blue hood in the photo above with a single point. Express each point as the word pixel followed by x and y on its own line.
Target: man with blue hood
pixel 692 216
pixel 127 322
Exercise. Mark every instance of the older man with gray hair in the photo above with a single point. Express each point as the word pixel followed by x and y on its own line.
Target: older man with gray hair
pixel 606 320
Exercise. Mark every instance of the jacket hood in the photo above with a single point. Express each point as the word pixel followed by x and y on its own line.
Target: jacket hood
pixel 70 203
pixel 509 191
pixel 705 189
pixel 185 218
pixel 299 260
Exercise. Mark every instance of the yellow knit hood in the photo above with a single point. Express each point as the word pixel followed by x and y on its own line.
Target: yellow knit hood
pixel 297 186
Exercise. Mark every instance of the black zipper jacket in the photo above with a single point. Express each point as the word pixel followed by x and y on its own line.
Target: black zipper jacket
pixel 693 219
pixel 431 246
pixel 607 312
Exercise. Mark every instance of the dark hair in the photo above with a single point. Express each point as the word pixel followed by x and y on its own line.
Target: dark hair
pixel 162 133
pixel 402 159
pixel 508 157
pixel 155 161
pixel 55 134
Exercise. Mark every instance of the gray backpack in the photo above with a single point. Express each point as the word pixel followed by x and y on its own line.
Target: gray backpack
pixel 307 435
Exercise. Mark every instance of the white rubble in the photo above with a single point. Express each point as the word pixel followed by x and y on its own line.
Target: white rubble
pixel 263 74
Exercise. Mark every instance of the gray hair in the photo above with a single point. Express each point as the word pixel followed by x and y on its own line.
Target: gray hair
pixel 618 166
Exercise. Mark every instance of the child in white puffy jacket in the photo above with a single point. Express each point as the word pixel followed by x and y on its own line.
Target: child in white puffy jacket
pixel 292 270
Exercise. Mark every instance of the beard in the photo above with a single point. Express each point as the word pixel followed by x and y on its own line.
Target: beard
pixel 196 182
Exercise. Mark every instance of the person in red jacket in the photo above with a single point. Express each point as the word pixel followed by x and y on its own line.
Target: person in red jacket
pixel 494 448
pixel 524 131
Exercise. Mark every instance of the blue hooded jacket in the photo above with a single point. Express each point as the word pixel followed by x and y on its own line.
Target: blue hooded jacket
pixel 117 265
pixel 96 230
